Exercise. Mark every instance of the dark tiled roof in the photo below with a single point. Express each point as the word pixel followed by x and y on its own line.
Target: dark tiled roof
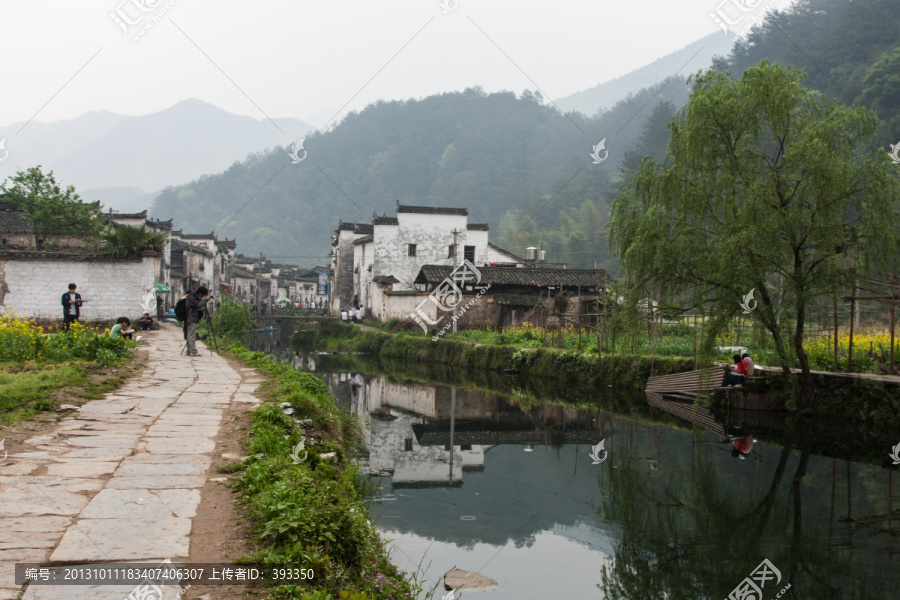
pixel 14 221
pixel 242 273
pixel 382 279
pixel 478 227
pixel 504 251
pixel 69 256
pixel 199 236
pixel 364 240
pixel 178 245
pixel 118 215
pixel 524 276
pixel 385 221
pixel 355 227
pixel 432 210
pixel 157 224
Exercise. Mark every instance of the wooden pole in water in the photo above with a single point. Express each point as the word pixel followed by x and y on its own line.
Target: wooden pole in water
pixel 893 294
pixel 834 366
pixel 852 321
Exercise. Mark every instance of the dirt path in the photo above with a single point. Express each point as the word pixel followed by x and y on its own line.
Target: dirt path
pixel 131 477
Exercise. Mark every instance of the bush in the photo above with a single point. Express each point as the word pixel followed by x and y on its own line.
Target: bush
pixel 231 318
pixel 23 340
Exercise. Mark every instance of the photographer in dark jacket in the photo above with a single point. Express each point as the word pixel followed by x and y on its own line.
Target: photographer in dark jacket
pixel 196 302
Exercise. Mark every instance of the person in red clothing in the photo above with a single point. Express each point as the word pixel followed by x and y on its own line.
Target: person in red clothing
pixel 743 447
pixel 739 374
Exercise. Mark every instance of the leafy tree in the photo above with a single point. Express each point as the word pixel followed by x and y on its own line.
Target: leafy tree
pixel 766 186
pixel 881 89
pixel 54 211
pixel 128 241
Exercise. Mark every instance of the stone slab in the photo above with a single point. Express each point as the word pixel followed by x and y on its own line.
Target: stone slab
pixel 156 482
pixel 178 445
pixel 142 504
pixel 124 539
pixel 81 468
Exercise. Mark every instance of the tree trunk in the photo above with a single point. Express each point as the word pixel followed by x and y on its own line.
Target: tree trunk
pixel 806 376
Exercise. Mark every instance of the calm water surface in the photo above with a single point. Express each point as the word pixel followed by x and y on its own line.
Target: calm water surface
pixel 669 511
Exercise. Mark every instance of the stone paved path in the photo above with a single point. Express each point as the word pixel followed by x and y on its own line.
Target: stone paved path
pixel 120 479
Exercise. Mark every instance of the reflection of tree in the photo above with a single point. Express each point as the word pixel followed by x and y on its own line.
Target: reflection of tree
pixel 698 534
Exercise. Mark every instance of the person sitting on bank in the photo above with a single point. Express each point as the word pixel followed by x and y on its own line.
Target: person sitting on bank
pixel 146 322
pixel 743 447
pixel 344 316
pixel 122 328
pixel 745 356
pixel 738 375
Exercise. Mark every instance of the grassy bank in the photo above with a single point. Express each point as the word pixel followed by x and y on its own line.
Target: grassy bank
pixel 308 508
pixel 625 373
pixel 38 368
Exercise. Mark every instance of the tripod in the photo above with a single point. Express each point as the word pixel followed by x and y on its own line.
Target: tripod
pixel 212 333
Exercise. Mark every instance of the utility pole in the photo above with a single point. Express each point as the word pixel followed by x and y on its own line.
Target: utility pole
pixel 455 233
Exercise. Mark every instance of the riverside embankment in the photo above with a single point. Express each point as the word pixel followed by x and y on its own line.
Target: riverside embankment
pixel 859 398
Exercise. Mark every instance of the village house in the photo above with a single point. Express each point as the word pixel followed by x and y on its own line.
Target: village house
pixel 32 279
pixel 380 262
pixel 398 262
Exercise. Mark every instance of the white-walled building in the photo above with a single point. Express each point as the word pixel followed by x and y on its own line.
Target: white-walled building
pixel 379 263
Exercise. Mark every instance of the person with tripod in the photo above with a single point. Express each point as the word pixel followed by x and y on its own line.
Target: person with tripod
pixel 196 303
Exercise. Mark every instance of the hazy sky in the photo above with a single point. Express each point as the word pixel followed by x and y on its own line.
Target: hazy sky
pixel 308 58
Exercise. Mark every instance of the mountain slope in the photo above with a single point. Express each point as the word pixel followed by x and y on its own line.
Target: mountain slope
pixel 146 153
pixel 690 59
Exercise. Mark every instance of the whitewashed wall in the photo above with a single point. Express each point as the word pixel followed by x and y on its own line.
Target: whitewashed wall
pixel 111 289
pixel 430 233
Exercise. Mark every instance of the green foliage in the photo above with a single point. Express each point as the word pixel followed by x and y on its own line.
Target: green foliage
pixel 53 210
pixel 128 241
pixel 766 186
pixel 231 318
pixel 22 340
pixel 312 513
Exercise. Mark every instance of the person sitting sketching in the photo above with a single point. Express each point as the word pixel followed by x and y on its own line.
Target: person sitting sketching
pixel 122 328
pixel 146 322
pixel 344 316
pixel 739 374
pixel 749 362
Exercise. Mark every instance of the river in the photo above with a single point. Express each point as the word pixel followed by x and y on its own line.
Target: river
pixel 675 503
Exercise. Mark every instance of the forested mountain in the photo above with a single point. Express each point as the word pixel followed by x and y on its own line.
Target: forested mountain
pixel 493 153
pixel 515 161
pixel 850 49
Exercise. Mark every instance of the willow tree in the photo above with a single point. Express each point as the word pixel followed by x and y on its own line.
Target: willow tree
pixel 766 186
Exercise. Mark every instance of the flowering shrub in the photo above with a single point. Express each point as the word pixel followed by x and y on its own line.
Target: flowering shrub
pixel 23 340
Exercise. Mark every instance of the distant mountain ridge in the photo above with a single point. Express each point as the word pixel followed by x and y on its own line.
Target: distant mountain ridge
pixel 690 59
pixel 122 159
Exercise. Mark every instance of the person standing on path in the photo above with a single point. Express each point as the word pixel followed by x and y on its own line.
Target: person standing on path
pixel 196 302
pixel 71 303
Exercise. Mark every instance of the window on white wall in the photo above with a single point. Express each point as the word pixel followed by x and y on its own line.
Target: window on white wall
pixel 410 249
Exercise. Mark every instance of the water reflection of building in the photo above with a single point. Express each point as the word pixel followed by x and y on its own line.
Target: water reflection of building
pixel 410 428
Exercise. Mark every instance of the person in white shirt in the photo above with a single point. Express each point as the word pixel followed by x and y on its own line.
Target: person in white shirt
pixel 344 315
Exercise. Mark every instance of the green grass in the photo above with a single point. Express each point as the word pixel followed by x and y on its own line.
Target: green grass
pixel 28 389
pixel 313 513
